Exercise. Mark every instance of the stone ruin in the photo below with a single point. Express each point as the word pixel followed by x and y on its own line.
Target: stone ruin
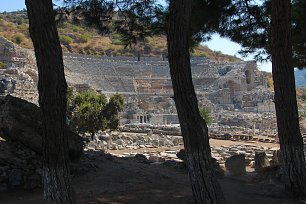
pixel 146 85
pixel 19 76
pixel 236 92
pixel 165 149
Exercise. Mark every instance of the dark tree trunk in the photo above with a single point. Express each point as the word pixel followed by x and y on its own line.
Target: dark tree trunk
pixel 291 143
pixel 92 135
pixel 52 99
pixel 205 186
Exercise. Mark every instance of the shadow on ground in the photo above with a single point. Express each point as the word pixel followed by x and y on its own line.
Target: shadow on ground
pixel 113 180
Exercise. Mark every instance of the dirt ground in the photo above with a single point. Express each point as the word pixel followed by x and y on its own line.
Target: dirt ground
pixel 127 181
pixel 212 142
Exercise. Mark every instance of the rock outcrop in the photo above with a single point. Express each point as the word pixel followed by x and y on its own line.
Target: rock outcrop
pixel 20 121
pixel 261 161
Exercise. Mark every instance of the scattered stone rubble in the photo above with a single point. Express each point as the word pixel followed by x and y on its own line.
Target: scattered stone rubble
pixel 132 142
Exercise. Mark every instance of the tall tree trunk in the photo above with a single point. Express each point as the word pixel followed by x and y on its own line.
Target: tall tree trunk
pixel 205 186
pixel 52 99
pixel 291 143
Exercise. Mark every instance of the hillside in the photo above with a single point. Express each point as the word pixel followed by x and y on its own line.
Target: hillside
pixel 83 40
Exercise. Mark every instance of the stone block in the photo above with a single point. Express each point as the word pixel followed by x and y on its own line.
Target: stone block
pixel 236 165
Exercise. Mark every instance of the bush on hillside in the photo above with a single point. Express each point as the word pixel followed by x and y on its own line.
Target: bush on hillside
pixel 2 65
pixel 206 115
pixel 18 39
pixel 65 40
pixel 83 38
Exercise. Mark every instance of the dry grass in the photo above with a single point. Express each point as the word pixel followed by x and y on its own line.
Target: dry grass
pixel 14 27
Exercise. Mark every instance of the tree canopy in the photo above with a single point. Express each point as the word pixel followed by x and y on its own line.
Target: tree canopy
pixel 248 23
pixel 90 112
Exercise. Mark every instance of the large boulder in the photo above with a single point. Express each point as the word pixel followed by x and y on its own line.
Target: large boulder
pixel 20 121
pixel 219 172
pixel 236 165
pixel 261 161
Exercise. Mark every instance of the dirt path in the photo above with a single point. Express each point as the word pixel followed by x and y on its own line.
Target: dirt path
pixel 127 181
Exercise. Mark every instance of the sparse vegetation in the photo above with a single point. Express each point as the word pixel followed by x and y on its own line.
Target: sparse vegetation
pixel 65 40
pixel 84 40
pixel 270 82
pixel 2 65
pixel 18 39
pixel 206 115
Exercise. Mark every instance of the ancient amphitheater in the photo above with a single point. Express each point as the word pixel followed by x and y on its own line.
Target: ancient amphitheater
pixel 236 92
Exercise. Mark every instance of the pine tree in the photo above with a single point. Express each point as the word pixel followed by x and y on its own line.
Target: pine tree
pixel 290 139
pixel 205 186
pixel 52 100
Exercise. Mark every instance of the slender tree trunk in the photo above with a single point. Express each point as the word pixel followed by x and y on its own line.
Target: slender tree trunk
pixel 52 99
pixel 291 143
pixel 205 186
pixel 92 135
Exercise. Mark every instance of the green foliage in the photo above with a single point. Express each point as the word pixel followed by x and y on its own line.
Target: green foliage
pixel 117 39
pixel 302 114
pixel 66 40
pixel 84 38
pixel 2 65
pixel 18 39
pixel 249 24
pixel 114 106
pixel 298 13
pixel 90 111
pixel 86 115
pixel 140 20
pixel 206 115
pixel 270 82
pixel 24 28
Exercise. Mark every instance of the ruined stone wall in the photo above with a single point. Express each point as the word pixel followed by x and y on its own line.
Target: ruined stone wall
pixel 19 77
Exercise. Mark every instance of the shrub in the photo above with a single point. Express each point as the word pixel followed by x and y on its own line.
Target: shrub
pixel 2 65
pixel 117 39
pixel 270 82
pixel 206 115
pixel 18 39
pixel 90 111
pixel 83 38
pixel 66 40
pixel 116 42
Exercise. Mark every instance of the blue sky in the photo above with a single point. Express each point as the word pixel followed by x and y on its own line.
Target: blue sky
pixel 228 47
pixel 216 43
pixel 12 5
